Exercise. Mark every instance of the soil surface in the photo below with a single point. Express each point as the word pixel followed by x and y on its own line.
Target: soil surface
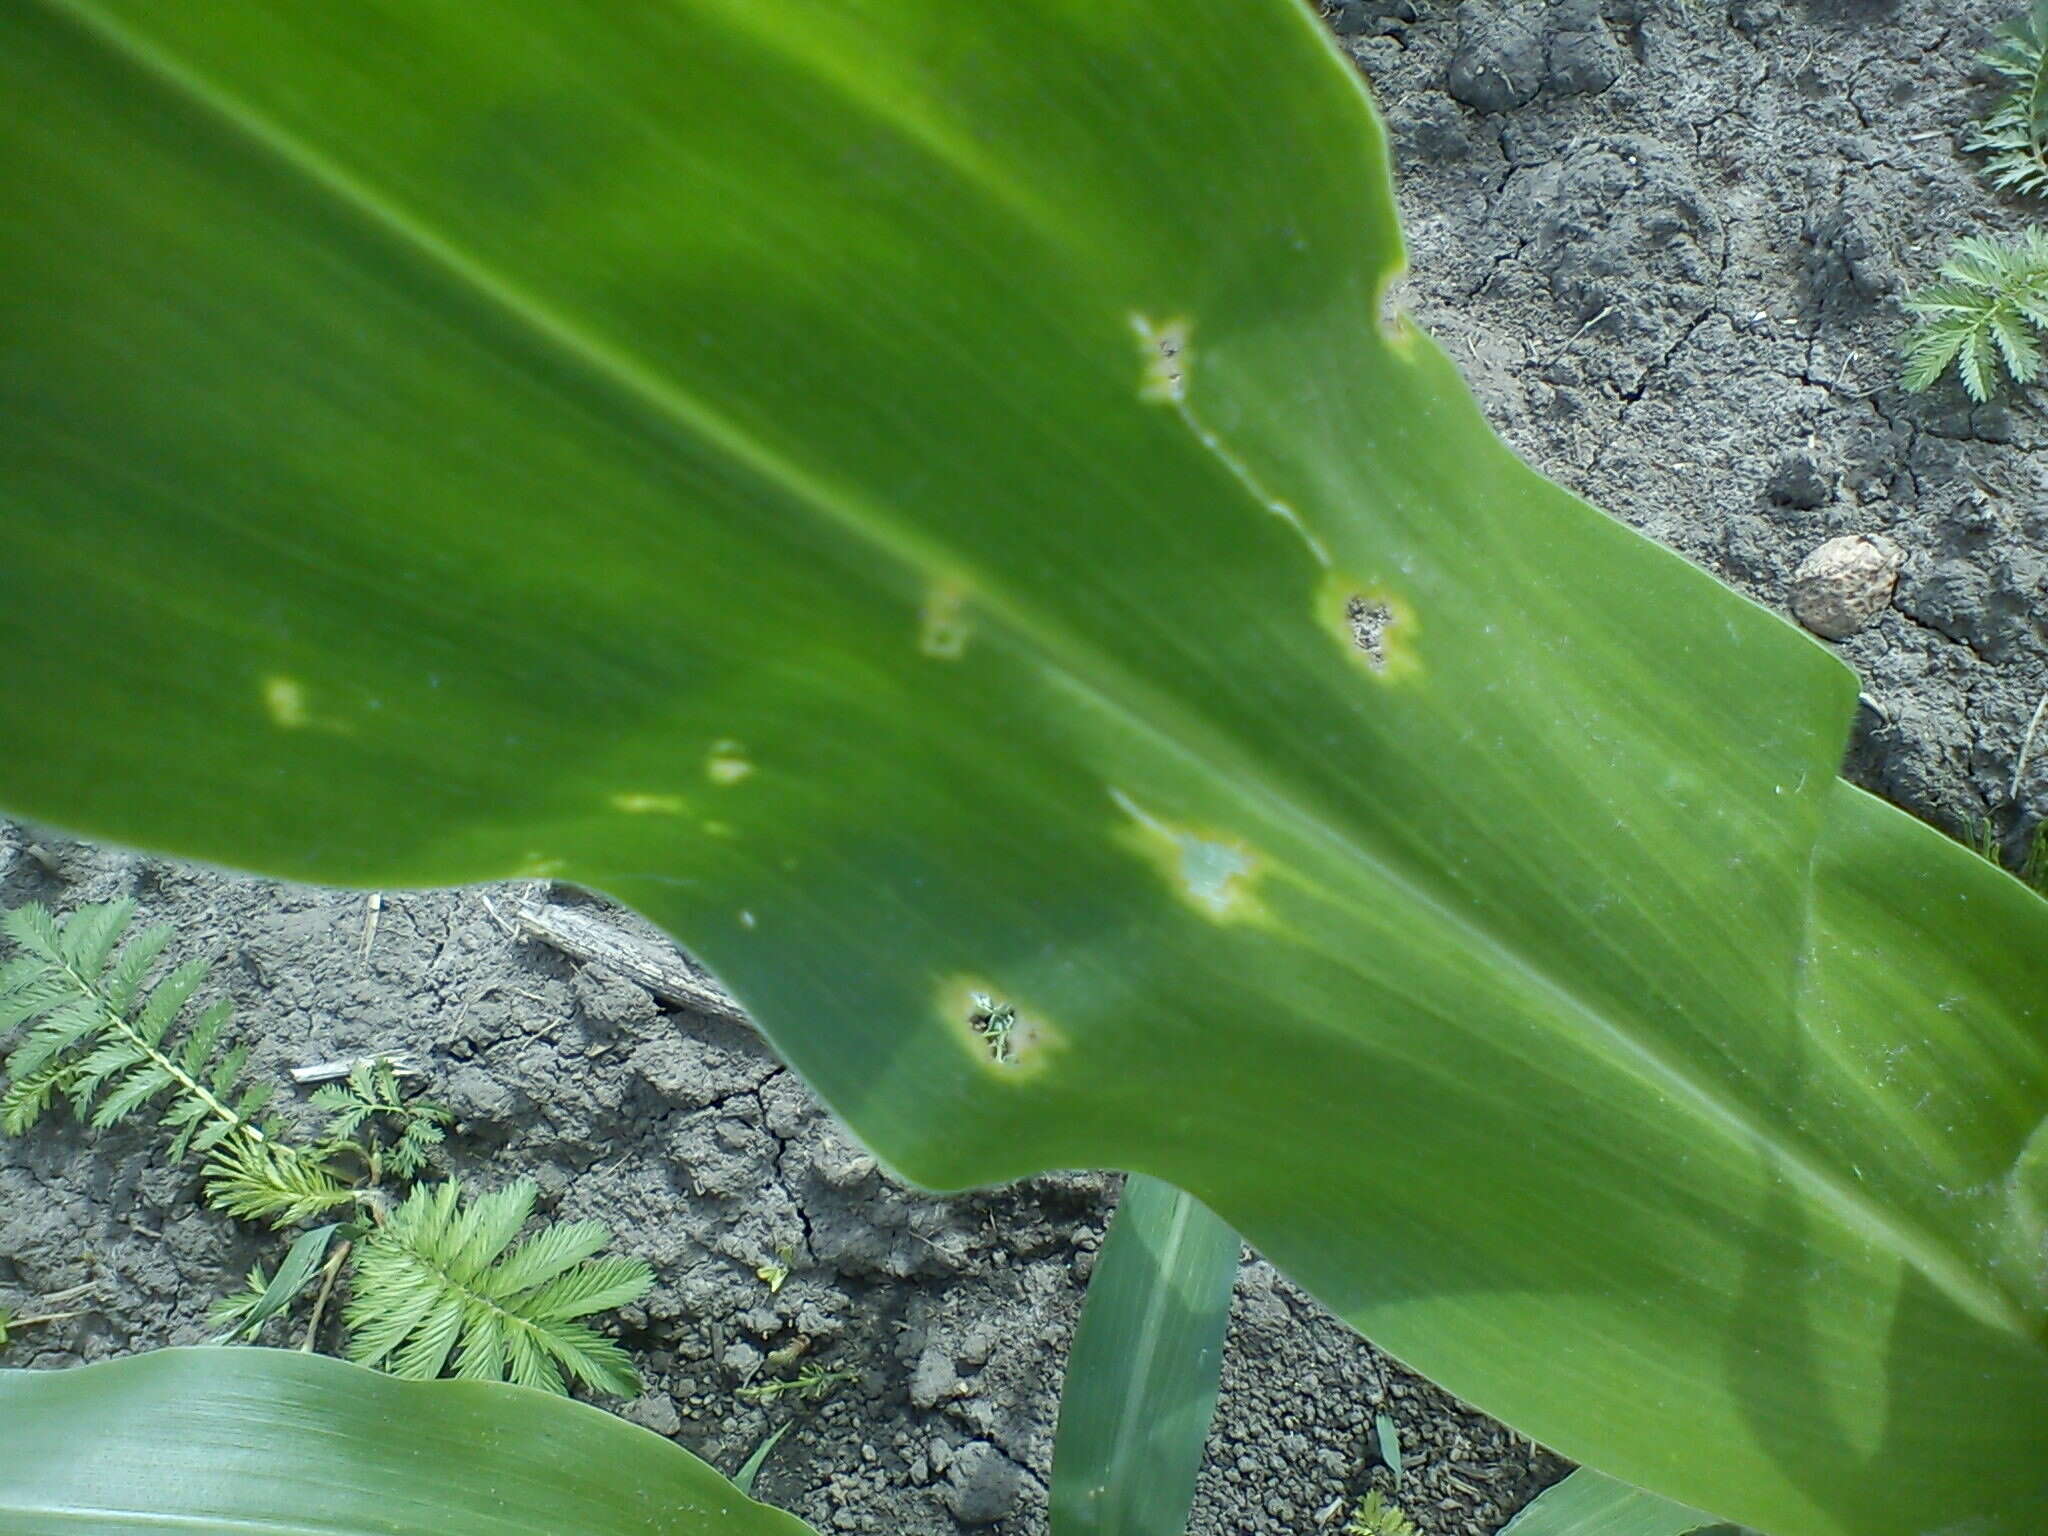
pixel 1666 240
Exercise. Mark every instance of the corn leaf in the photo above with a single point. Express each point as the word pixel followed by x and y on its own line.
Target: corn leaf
pixel 1587 1504
pixel 921 501
pixel 223 1440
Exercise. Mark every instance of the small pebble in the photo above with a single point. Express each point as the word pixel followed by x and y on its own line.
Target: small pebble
pixel 1845 583
pixel 655 1411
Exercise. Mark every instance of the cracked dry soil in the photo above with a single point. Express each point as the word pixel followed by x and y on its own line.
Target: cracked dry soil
pixel 1665 240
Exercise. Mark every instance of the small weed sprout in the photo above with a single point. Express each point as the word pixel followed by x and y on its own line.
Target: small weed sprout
pixel 996 1023
pixel 1376 1517
pixel 1985 312
pixel 370 1099
pixel 775 1272
pixel 1980 835
pixel 98 1037
pixel 812 1384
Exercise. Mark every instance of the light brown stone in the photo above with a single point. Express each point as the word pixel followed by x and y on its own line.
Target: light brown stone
pixel 1845 583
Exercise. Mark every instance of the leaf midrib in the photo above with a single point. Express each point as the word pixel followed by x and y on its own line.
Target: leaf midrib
pixel 1131 700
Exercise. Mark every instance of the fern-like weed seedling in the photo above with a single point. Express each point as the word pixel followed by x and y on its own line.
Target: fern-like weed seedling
pixel 1986 310
pixel 369 1102
pixel 437 1281
pixel 441 1284
pixel 94 1033
pixel 812 1384
pixel 2015 135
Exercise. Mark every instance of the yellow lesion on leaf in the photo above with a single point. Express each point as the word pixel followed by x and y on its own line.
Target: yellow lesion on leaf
pixel 1214 872
pixel 1165 358
pixel 943 628
pixel 999 1032
pixel 649 805
pixel 1375 625
pixel 285 702
pixel 727 763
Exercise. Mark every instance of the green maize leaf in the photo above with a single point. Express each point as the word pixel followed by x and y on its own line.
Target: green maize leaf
pixel 291 1444
pixel 1144 1369
pixel 1587 1504
pixel 920 500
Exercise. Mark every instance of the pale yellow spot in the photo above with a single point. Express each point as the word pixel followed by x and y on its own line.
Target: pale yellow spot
pixel 1377 628
pixel 285 698
pixel 1026 1040
pixel 1165 356
pixel 942 626
pixel 649 805
pixel 719 829
pixel 539 866
pixel 727 764
pixel 1212 872
pixel 746 919
pixel 286 702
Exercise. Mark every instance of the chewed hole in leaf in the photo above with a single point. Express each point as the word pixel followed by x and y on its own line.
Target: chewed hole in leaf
pixel 996 1023
pixel 1369 619
pixel 1165 347
pixel 1376 627
pixel 1001 1034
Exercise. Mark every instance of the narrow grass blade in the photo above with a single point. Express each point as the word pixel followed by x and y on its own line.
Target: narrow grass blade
pixel 750 1470
pixel 300 1261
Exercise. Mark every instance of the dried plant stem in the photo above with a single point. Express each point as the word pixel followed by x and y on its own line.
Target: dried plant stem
pixel 328 1276
pixel 2027 746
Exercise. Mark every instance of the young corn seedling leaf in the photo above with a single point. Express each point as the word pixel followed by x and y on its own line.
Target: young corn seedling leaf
pixel 301 1442
pixel 2015 135
pixel 929 503
pixel 1145 1368
pixel 446 1284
